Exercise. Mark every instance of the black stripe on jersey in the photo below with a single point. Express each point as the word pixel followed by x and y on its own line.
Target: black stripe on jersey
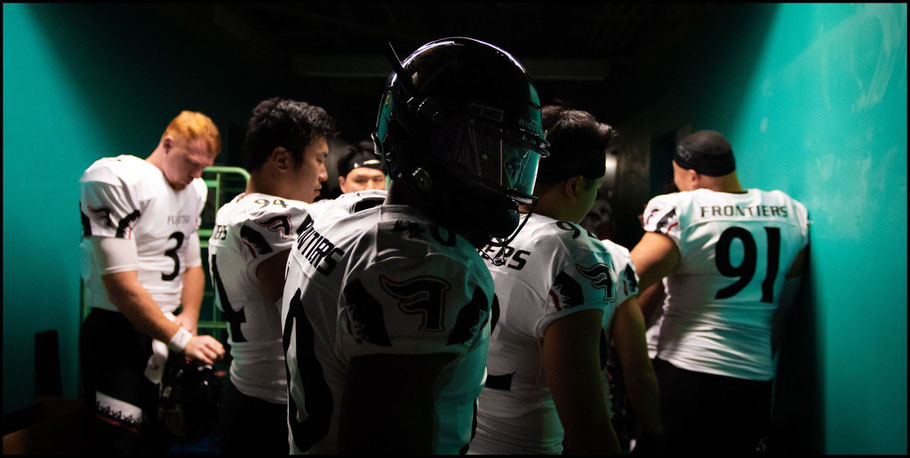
pixel 665 221
pixel 366 315
pixel 470 319
pixel 255 239
pixel 367 204
pixel 499 382
pixel 125 223
pixel 317 397
pixel 494 311
pixel 233 317
pixel 86 223
pixel 629 276
pixel 568 290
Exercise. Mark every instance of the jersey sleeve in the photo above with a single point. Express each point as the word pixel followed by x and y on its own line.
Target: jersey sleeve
pixel 270 232
pixel 583 278
pixel 437 303
pixel 203 191
pixel 662 216
pixel 193 257
pixel 627 277
pixel 109 205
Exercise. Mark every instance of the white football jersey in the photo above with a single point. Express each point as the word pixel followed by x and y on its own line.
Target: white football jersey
pixel 248 230
pixel 735 251
pixel 552 269
pixel 384 280
pixel 128 197
pixel 346 204
pixel 628 277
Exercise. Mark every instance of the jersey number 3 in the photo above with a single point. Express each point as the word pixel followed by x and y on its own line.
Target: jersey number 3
pixel 172 253
pixel 746 269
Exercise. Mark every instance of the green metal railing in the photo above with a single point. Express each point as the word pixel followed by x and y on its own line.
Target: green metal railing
pixel 221 190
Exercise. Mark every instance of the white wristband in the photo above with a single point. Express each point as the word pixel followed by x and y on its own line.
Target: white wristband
pixel 179 341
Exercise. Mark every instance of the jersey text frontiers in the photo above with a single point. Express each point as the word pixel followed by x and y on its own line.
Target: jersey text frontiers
pixel 752 211
pixel 317 249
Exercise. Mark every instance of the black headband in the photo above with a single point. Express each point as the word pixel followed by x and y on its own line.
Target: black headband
pixel 360 159
pixel 707 152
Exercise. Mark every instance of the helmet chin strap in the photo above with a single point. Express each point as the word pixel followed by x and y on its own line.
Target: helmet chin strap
pixel 500 259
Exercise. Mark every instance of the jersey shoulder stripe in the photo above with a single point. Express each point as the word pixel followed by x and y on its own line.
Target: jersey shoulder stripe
pixel 113 193
pixel 259 224
pixel 347 204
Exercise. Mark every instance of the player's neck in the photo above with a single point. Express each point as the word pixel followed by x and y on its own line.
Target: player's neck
pixel 547 208
pixel 157 157
pixel 727 183
pixel 263 185
pixel 552 202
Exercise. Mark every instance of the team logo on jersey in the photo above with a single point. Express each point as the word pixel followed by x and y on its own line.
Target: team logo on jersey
pixel 602 277
pixel 648 219
pixel 280 223
pixel 423 296
pixel 124 229
pixel 102 214
pixel 254 241
pixel 566 292
pixel 665 221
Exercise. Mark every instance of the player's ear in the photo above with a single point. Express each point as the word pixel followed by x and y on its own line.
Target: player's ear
pixel 282 158
pixel 574 186
pixel 694 177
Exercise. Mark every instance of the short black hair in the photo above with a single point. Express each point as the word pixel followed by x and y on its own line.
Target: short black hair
pixel 578 144
pixel 291 124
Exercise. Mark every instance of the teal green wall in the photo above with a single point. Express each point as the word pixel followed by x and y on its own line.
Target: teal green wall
pixel 829 100
pixel 81 82
pixel 813 98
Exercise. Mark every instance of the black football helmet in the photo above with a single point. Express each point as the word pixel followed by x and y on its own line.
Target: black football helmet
pixel 459 122
pixel 189 399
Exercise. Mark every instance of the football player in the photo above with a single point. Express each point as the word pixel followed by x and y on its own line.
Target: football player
pixel 141 262
pixel 285 146
pixel 360 168
pixel 729 259
pixel 559 288
pixel 386 311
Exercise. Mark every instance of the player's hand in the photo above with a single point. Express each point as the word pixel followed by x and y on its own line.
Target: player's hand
pixel 188 322
pixel 204 348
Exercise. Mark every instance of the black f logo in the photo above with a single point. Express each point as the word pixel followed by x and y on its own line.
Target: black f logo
pixel 602 277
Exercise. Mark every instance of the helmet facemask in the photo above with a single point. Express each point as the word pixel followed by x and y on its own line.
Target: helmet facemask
pixel 494 168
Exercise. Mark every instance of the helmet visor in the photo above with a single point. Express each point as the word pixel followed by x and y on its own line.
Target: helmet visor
pixel 501 157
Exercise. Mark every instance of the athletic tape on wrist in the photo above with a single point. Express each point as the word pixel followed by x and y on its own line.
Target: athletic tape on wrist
pixel 179 341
